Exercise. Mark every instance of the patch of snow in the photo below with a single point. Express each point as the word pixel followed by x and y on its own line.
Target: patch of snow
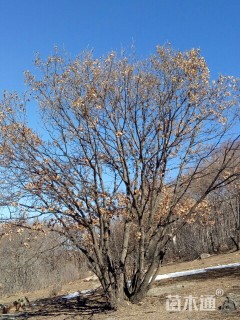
pixel 223 266
pixel 77 294
pixel 179 274
pixel 71 295
pixel 86 292
pixel 195 271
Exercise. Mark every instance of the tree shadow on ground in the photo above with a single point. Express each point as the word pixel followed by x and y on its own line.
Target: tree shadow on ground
pixel 84 305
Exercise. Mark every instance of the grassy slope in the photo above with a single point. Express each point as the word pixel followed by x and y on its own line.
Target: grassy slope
pixel 154 306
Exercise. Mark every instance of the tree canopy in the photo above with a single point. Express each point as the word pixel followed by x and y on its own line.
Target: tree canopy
pixel 120 147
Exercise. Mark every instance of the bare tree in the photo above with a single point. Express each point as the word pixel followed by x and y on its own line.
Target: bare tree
pixel 121 142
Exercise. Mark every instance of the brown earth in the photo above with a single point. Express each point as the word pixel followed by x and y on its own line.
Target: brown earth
pixel 153 306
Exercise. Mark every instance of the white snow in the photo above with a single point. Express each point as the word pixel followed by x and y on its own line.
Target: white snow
pixel 77 294
pixel 71 295
pixel 86 292
pixel 195 271
pixel 223 266
pixel 179 274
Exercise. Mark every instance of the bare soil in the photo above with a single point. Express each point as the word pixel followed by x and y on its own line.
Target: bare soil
pixel 217 283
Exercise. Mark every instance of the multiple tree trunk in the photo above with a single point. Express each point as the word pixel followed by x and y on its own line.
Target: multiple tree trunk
pixel 122 142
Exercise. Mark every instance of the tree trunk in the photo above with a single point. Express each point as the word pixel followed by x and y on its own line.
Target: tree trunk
pixel 115 292
pixel 115 300
pixel 138 296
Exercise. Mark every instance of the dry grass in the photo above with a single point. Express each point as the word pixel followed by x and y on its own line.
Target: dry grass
pixel 154 305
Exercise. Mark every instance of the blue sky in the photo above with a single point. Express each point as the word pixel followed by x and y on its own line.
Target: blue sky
pixel 27 26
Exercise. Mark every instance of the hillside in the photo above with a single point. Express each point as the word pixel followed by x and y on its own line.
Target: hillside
pixel 154 305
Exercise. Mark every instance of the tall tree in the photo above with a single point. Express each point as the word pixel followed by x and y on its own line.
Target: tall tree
pixel 121 144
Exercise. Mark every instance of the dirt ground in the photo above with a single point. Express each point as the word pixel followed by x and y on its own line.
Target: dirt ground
pixel 187 292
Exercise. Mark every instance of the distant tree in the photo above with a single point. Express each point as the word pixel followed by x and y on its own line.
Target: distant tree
pixel 31 261
pixel 121 143
pixel 226 199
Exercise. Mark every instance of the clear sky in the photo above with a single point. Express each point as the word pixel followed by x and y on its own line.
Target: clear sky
pixel 27 26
